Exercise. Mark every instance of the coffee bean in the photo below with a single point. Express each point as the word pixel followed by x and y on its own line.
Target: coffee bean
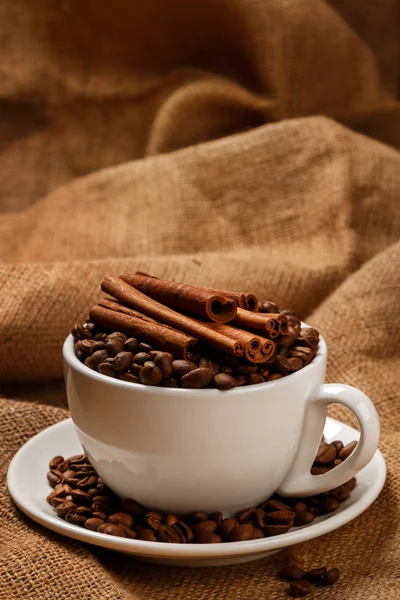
pixel 133 508
pixel 291 573
pixel 351 483
pixel 143 347
pixel 227 370
pixel 150 374
pixel 260 517
pixel 217 517
pixel 98 506
pixel 130 533
pixel 184 532
pixel 131 345
pixel 111 529
pixel 226 527
pixel 96 359
pixel 199 517
pixel 123 361
pixel 211 365
pixel 208 538
pixel 300 506
pixel 182 367
pixel 246 369
pixel 328 505
pixel 101 337
pixel 129 377
pixel 224 381
pixel 171 520
pixel 163 360
pixel 168 534
pixel 113 346
pixel 337 462
pixel 273 505
pixel 87 482
pixel 101 528
pixel 106 368
pixel 331 577
pixel 314 510
pixel 241 380
pixel 255 378
pixel 55 500
pixel 117 335
pixel 242 533
pixel 81 498
pixel 147 535
pixel 316 575
pixel 245 515
pixel 279 517
pixel 100 515
pixel 87 346
pixel 140 358
pixel 338 445
pixel 303 517
pixel 258 534
pixel 274 376
pixel 81 332
pixel 283 351
pixel 97 345
pixel 92 492
pixel 287 340
pixel 295 364
pixel 136 368
pixel 170 383
pixel 197 379
pixel 309 337
pixel 279 529
pixel 205 527
pixel 281 365
pixel 319 470
pixel 340 493
pixel 55 461
pixel 93 524
pixel 326 454
pixel 121 518
pixel 54 477
pixel 300 588
pixel 78 515
pixel 268 307
pixel 153 520
pixel 347 450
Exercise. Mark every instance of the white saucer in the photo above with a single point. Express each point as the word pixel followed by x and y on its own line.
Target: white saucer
pixel 28 487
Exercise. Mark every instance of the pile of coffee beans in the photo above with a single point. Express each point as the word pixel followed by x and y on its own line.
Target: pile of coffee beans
pixel 81 497
pixel 301 581
pixel 126 358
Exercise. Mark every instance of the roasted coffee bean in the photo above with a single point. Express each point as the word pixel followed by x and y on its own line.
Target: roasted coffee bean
pixel 197 379
pixel 184 532
pixel 309 337
pixel 98 506
pixel 246 369
pixel 63 466
pixel 326 454
pixel 328 505
pixel 314 510
pixel 93 524
pixel 113 346
pixel 82 333
pixel 226 527
pixel 109 360
pixel 259 516
pixel 303 517
pixel 106 368
pixel 130 533
pixel 72 481
pixel 304 353
pixel 123 361
pixel 100 337
pixel 168 534
pixel 143 347
pixel 80 355
pixel 153 520
pixel 280 517
pixel 268 307
pixel 163 360
pixel 150 374
pixel 81 498
pixel 281 365
pixel 97 345
pixel 54 462
pixel 295 364
pixel 103 498
pixel 224 381
pixel 351 483
pixel 316 575
pixel 245 515
pixel 141 357
pixel 87 346
pixel 95 359
pixel 117 335
pixel 129 377
pixel 287 340
pixel 255 378
pixel 131 345
pixel 337 462
pixel 288 312
pixel 227 370
pixel 208 538
pixel 147 535
pixel 241 380
pixel 101 528
pixel 300 506
pixel 87 482
pixel 170 383
pixel 294 321
pixel 273 505
pixel 55 500
pixel 242 533
pixel 78 515
pixel 199 517
pixel 217 517
pixel 274 376
pixel 182 367
pixel 55 477
pixel 338 445
pixel 136 368
pixel 347 450
pixel 283 351
pixel 331 577
pixel 340 493
pixel 211 365
pixel 258 534
pixel 291 573
pixel 300 588
pixel 133 508
pixel 205 527
pixel 92 492
pixel 111 529
pixel 121 518
pixel 271 530
pixel 171 520
pixel 100 515
pixel 319 470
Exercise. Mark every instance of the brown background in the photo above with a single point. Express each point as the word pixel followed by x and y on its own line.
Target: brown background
pixel 243 144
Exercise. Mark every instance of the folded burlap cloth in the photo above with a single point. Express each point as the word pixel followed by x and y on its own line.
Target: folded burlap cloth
pixel 241 144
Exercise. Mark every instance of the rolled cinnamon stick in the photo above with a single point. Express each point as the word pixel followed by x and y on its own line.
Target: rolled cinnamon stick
pixel 188 298
pixel 246 301
pixel 271 324
pixel 163 338
pixel 127 294
pixel 107 303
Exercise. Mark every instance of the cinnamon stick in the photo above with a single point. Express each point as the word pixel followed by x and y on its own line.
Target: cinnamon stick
pixel 127 294
pixel 246 301
pixel 112 305
pixel 163 338
pixel 271 324
pixel 188 298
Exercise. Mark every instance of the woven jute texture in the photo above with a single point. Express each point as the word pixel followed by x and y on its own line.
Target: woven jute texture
pixel 242 144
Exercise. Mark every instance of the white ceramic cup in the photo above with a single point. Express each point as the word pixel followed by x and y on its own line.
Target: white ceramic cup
pixel 181 450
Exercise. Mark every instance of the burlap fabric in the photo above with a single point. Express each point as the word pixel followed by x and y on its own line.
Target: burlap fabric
pixel 236 143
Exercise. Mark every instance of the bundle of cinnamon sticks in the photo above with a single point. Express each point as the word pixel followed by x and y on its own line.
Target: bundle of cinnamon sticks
pixel 187 320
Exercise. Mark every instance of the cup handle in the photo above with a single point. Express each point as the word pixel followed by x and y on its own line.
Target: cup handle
pixel 298 480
